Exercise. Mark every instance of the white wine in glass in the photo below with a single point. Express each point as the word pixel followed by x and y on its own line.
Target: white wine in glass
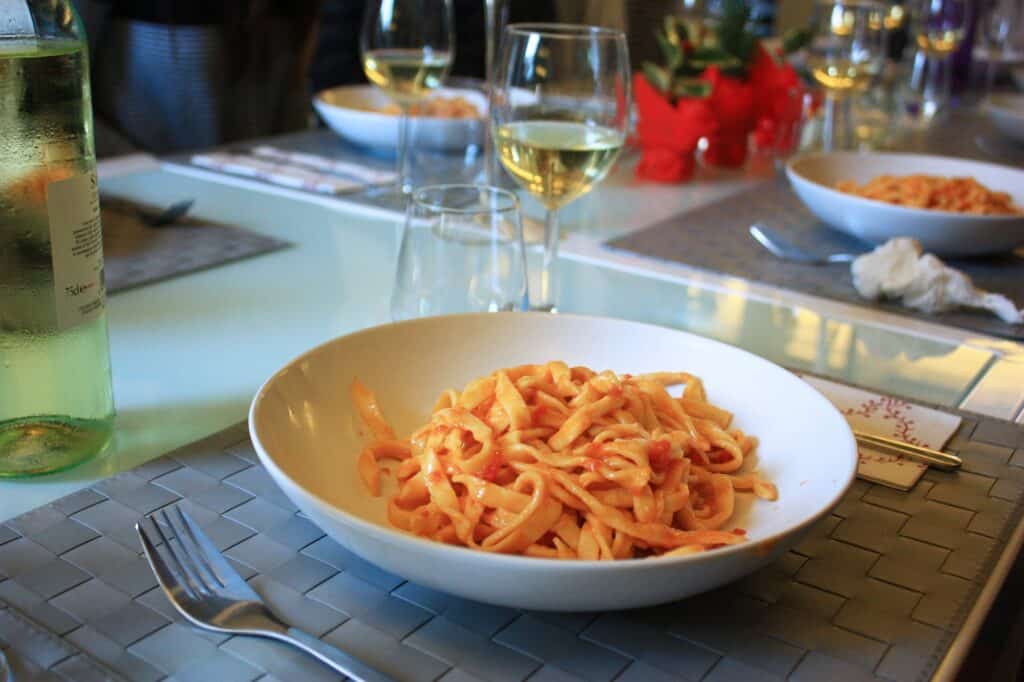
pixel 407 49
pixel 845 55
pixel 557 161
pixel 842 75
pixel 406 75
pixel 939 29
pixel 940 42
pixel 559 109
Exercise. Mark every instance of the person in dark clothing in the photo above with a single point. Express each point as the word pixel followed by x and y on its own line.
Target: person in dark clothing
pixel 170 75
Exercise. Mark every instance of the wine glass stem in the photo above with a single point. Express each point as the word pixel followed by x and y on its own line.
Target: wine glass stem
pixel 838 126
pixel 494 11
pixel 547 294
pixel 402 171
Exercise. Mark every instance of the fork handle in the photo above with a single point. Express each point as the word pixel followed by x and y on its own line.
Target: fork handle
pixel 344 663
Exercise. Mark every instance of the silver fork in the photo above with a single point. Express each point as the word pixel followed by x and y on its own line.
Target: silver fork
pixel 204 588
pixel 779 247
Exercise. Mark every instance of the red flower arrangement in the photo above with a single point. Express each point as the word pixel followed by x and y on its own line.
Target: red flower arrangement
pixel 723 86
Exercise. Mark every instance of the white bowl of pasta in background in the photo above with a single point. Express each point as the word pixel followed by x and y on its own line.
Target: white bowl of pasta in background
pixel 356 113
pixel 1006 112
pixel 814 177
pixel 305 430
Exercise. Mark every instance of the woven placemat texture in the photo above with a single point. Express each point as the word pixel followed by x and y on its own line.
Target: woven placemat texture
pixel 716 238
pixel 878 589
pixel 135 254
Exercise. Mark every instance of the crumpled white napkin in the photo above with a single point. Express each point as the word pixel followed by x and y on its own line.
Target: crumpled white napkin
pixel 898 270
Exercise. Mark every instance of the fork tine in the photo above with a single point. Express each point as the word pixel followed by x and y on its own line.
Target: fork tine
pixel 196 552
pixel 224 571
pixel 187 571
pixel 188 558
pixel 164 575
pixel 170 558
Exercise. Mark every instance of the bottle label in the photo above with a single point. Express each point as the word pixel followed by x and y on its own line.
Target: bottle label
pixel 76 241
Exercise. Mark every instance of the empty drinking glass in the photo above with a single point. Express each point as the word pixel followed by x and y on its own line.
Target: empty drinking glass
pixel 462 251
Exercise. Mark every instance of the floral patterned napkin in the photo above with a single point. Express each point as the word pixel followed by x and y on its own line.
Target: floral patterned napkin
pixel 894 418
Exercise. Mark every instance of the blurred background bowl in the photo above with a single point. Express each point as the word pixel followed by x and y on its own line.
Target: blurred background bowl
pixel 814 177
pixel 355 113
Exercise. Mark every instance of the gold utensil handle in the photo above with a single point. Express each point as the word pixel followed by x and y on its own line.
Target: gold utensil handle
pixel 935 458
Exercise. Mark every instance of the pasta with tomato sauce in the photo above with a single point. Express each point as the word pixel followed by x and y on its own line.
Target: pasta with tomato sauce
pixel 566 463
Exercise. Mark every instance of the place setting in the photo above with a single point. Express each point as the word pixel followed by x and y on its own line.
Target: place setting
pixel 841 201
pixel 430 442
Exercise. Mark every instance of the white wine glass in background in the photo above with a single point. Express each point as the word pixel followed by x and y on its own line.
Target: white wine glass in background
pixel 462 251
pixel 996 24
pixel 846 53
pixel 559 111
pixel 876 110
pixel 938 27
pixel 407 48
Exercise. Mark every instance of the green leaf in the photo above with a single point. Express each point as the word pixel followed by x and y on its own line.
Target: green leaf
pixel 693 30
pixel 672 52
pixel 671 29
pixel 794 39
pixel 709 53
pixel 691 87
pixel 657 76
pixel 733 36
pixel 714 56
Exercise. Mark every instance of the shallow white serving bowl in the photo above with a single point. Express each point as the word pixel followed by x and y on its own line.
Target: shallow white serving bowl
pixel 352 111
pixel 814 176
pixel 303 427
pixel 1007 113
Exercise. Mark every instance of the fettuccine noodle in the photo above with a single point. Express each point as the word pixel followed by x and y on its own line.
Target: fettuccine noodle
pixel 959 195
pixel 559 462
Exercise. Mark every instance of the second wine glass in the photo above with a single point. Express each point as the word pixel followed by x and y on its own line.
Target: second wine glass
pixel 939 27
pixel 559 110
pixel 407 48
pixel 845 55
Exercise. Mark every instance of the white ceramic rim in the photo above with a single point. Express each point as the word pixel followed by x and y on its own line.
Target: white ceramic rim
pixel 395 537
pixel 564 31
pixel 792 170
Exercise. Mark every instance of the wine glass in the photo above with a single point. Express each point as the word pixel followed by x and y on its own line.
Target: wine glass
pixel 939 28
pixel 846 53
pixel 407 49
pixel 462 251
pixel 559 110
pixel 995 32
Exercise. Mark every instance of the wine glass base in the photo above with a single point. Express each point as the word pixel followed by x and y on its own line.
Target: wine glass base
pixel 551 308
pixel 388 196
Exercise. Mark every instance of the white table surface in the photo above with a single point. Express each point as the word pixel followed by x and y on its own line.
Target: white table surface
pixel 189 353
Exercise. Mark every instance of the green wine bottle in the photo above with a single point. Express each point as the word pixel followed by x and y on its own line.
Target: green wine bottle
pixel 56 401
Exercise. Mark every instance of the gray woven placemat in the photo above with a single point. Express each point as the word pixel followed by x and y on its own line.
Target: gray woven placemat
pixel 135 254
pixel 715 238
pixel 877 591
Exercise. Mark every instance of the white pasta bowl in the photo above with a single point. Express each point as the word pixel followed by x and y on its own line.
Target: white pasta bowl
pixel 303 426
pixel 814 177
pixel 354 113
